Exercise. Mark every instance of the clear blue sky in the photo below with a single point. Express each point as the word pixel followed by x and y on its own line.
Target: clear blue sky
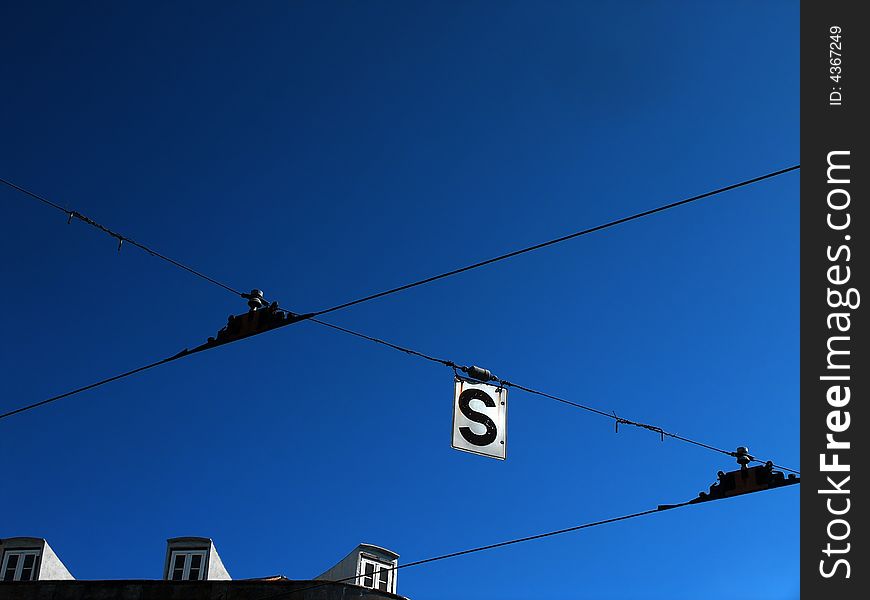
pixel 326 150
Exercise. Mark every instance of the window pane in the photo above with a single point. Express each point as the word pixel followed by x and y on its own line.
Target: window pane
pixel 27 567
pixel 383 581
pixel 11 563
pixel 369 579
pixel 178 568
pixel 195 567
pixel 193 571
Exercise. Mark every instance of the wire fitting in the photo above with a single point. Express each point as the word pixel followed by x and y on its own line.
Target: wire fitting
pixel 743 457
pixel 255 299
pixel 479 373
pixel 652 428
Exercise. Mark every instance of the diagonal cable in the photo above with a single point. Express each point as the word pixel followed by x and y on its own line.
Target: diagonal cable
pixel 73 214
pixel 311 316
pixel 558 240
pixel 91 386
pixel 411 352
pixel 407 286
pixel 521 540
pixel 610 415
pixel 660 508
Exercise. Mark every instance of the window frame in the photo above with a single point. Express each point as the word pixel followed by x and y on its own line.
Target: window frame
pixel 20 553
pixel 186 554
pixel 380 569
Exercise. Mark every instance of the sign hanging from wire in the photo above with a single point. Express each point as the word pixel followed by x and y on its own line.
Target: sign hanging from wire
pixel 480 418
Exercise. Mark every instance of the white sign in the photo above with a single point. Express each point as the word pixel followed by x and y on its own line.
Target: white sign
pixel 480 418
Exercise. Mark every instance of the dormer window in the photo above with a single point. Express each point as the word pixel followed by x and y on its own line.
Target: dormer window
pixel 20 565
pixel 187 565
pixel 367 566
pixel 375 574
pixel 193 559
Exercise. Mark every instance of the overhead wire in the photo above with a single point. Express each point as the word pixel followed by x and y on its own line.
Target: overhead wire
pixel 89 387
pixel 73 214
pixel 451 555
pixel 554 241
pixel 186 352
pixel 440 361
pixel 84 388
pixel 660 508
pixel 312 316
pixel 411 352
pixel 407 286
pixel 210 344
pixel 503 382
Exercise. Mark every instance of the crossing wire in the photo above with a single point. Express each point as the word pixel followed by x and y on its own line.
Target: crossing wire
pixel 447 363
pixel 311 316
pixel 407 286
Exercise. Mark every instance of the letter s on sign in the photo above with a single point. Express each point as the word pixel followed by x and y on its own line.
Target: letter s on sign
pixel 478 439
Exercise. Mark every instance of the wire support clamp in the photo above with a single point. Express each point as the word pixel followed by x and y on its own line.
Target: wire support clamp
pixel 655 429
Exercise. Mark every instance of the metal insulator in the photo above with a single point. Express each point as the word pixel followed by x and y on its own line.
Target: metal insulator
pixel 255 299
pixel 479 373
